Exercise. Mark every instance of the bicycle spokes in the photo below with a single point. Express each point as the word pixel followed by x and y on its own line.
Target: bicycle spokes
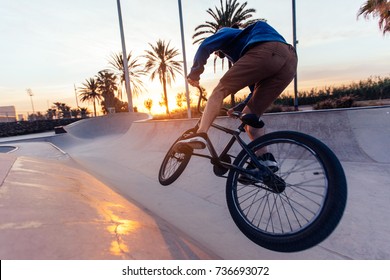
pixel 275 207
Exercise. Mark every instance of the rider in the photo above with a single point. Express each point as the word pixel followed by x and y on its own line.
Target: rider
pixel 261 59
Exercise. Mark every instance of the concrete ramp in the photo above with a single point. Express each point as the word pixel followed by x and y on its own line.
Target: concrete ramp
pixel 195 203
pixel 128 158
pixel 356 135
pixel 102 126
pixel 100 129
pixel 372 131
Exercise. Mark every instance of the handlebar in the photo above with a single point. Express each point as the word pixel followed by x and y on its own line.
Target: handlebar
pixel 201 97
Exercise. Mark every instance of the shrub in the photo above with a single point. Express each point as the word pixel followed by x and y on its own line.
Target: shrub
pixel 332 103
pixel 25 127
pixel 373 88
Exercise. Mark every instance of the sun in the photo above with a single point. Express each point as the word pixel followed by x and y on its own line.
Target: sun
pixel 157 107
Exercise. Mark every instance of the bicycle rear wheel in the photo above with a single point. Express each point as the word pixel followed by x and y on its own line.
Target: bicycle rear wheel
pixel 308 207
pixel 174 163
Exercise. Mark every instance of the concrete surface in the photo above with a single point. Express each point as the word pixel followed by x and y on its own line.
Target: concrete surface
pixel 51 208
pixel 127 160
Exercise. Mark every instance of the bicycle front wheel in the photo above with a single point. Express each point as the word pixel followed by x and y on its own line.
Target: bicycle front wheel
pixel 308 206
pixel 174 163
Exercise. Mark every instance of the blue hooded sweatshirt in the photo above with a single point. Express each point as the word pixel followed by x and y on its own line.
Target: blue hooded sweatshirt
pixel 233 43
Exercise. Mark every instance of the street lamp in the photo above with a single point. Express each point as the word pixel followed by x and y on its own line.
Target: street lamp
pixel 295 42
pixel 184 60
pixel 75 93
pixel 30 93
pixel 125 62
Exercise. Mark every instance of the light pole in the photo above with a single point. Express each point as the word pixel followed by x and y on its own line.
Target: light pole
pixel 295 42
pixel 30 93
pixel 75 93
pixel 125 62
pixel 184 60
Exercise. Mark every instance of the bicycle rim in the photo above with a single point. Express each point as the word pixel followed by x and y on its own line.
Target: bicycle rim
pixel 174 162
pixel 301 215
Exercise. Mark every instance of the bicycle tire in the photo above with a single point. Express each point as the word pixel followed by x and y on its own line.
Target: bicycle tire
pixel 323 208
pixel 174 163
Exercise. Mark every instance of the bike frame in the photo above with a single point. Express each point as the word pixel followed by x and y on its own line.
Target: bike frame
pixel 215 158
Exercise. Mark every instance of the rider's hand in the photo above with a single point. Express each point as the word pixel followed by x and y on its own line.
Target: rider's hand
pixel 193 82
pixel 238 108
pixel 230 112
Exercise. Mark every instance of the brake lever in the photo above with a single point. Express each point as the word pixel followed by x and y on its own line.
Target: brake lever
pixel 236 114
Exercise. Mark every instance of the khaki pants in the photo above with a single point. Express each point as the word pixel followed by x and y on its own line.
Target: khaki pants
pixel 269 66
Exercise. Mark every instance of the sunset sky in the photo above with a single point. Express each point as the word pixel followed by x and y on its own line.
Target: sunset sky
pixel 51 46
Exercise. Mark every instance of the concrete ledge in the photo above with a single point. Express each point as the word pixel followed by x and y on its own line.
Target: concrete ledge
pixel 59 130
pixel 6 162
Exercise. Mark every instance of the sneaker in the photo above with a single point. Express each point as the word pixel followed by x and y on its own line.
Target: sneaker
pixel 194 140
pixel 267 159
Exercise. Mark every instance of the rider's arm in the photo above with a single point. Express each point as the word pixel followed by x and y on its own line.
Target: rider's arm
pixel 210 45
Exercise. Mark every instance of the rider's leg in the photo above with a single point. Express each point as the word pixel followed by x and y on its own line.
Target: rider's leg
pixel 267 90
pixel 258 64
pixel 253 132
pixel 214 103
pixel 213 107
pixel 270 90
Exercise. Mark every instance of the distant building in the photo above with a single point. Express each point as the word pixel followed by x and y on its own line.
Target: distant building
pixel 7 114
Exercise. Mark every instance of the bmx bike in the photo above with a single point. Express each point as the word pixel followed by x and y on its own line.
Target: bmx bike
pixel 287 209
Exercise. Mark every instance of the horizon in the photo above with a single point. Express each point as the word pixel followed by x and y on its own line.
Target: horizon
pixel 52 47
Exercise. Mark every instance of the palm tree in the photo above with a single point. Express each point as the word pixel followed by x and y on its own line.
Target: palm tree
pixel 135 72
pixel 84 112
pixel 161 62
pixel 378 8
pixel 107 85
pixel 89 92
pixel 63 109
pixel 148 103
pixel 230 14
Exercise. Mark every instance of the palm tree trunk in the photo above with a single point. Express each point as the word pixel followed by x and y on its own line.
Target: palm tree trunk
pixel 94 107
pixel 165 94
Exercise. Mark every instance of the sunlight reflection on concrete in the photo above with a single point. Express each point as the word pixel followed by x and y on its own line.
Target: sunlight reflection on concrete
pixel 119 228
